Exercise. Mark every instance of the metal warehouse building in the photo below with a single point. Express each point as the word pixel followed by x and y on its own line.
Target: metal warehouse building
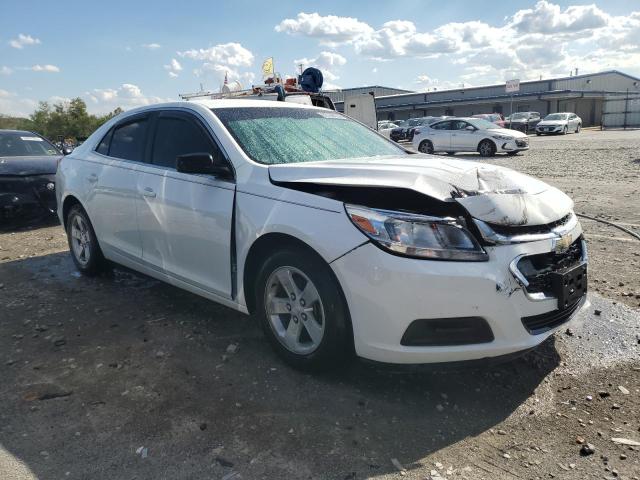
pixel 586 95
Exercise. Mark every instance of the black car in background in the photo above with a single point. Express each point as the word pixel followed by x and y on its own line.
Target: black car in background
pixel 406 128
pixel 28 164
pixel 523 121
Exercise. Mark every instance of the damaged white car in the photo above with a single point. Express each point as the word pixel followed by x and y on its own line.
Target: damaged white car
pixel 336 239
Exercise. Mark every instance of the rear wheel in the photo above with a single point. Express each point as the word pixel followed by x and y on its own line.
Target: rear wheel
pixel 487 148
pixel 302 310
pixel 83 244
pixel 425 147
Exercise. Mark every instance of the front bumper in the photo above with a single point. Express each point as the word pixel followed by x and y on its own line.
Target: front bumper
pixel 516 145
pixel 549 129
pixel 25 196
pixel 387 293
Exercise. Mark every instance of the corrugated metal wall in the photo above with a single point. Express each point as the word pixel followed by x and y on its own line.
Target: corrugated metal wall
pixel 621 111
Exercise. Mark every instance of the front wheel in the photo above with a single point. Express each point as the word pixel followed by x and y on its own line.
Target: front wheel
pixel 511 154
pixel 302 311
pixel 578 128
pixel 425 147
pixel 83 244
pixel 565 130
pixel 487 148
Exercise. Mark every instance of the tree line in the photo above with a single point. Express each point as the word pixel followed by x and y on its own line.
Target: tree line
pixel 70 121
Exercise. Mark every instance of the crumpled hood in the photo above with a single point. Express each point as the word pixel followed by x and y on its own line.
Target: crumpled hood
pixel 23 166
pixel 493 194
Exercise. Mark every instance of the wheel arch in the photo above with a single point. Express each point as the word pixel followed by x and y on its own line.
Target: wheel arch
pixel 486 139
pixel 67 204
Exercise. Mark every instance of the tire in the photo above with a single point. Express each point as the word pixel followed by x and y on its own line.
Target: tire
pixel 83 243
pixel 320 336
pixel 578 128
pixel 425 147
pixel 451 153
pixel 565 130
pixel 538 134
pixel 512 154
pixel 487 148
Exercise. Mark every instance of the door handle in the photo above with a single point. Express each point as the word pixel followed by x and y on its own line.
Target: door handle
pixel 93 178
pixel 148 192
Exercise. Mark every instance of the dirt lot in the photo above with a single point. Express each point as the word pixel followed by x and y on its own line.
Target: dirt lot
pixel 125 377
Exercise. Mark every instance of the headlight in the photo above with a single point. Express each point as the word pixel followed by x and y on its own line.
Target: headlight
pixel 415 235
pixel 501 137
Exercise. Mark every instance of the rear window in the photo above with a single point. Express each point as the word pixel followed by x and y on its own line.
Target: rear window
pixel 273 135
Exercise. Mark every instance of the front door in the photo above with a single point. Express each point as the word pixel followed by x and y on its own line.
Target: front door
pixel 440 135
pixel 463 140
pixel 185 219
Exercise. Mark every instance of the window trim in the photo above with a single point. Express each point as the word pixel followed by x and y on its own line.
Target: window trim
pixel 124 122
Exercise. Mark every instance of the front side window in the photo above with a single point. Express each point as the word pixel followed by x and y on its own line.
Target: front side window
pixel 128 141
pixel 273 135
pixel 178 136
pixel 25 144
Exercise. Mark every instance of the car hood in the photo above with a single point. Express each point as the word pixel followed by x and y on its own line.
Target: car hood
pixel 493 194
pixel 552 123
pixel 23 166
pixel 507 131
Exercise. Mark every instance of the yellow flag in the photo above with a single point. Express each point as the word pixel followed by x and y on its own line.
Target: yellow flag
pixel 267 67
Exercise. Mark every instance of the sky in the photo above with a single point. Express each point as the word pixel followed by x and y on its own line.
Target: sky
pixel 130 53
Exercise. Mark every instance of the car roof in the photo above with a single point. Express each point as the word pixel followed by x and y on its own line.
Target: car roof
pixel 17 131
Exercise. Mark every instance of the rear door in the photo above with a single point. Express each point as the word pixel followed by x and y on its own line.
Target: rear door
pixel 112 207
pixel 185 219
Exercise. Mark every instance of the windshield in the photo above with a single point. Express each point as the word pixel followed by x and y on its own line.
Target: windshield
pixel 25 144
pixel 516 116
pixel 273 135
pixel 483 124
pixel 556 116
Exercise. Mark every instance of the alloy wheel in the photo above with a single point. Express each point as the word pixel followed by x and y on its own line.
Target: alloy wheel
pixel 294 310
pixel 80 240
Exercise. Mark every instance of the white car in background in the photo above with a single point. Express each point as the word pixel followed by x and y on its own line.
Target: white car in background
pixel 337 240
pixel 468 134
pixel 563 122
pixel 385 127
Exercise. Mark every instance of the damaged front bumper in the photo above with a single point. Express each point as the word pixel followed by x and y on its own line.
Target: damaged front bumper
pixel 24 196
pixel 406 310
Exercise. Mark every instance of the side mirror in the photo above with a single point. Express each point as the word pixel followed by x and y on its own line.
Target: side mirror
pixel 470 128
pixel 200 163
pixel 67 150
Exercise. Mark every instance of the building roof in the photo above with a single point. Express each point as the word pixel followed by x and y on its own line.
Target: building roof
pixel 367 87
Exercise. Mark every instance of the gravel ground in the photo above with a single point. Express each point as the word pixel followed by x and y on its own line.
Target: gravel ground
pixel 122 376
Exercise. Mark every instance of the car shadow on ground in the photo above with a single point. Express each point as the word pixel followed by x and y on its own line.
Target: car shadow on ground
pixel 95 369
pixel 29 223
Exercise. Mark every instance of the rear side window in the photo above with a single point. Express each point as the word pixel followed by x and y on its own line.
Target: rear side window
pixel 103 146
pixel 179 136
pixel 442 126
pixel 128 141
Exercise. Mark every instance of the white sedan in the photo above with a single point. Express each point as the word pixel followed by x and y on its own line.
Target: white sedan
pixel 469 135
pixel 337 240
pixel 385 127
pixel 559 123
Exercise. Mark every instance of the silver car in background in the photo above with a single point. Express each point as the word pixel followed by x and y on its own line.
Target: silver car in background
pixel 563 122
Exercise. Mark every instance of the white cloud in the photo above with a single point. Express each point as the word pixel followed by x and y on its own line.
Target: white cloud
pixel 545 17
pixel 232 54
pixel 45 68
pixel 219 60
pixel 23 41
pixel 327 62
pixel 151 46
pixel 126 96
pixel 173 67
pixel 545 40
pixel 4 70
pixel 329 29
